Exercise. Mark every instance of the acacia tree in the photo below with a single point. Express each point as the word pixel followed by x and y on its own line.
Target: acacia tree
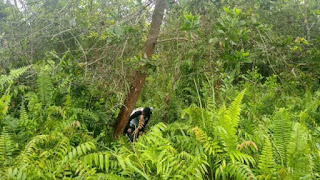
pixel 140 75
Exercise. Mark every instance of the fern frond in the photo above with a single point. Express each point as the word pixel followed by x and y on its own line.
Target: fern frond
pixel 23 115
pixel 60 159
pixel 14 74
pixel 27 125
pixel 44 87
pixel 16 173
pixel 234 109
pixel 80 150
pixel 228 120
pixel 240 171
pixel 266 161
pixel 155 131
pixel 210 146
pixel 84 112
pixel 193 112
pixel 56 110
pixel 31 148
pixel 234 170
pixel 6 148
pixel 4 106
pixel 99 160
pixel 158 155
pixel 237 156
pixel 62 148
pixel 282 133
pixel 136 169
pixel 299 154
pixel 64 83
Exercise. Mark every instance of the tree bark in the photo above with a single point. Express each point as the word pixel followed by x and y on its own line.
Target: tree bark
pixel 140 75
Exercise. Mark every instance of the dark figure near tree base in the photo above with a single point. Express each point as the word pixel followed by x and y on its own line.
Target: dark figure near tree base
pixel 138 120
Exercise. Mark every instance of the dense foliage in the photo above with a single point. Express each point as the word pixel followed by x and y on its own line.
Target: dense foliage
pixel 234 84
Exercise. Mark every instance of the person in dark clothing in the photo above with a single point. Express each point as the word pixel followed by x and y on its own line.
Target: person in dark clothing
pixel 138 120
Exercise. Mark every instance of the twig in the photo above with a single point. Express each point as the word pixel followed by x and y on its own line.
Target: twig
pixel 267 53
pixel 173 39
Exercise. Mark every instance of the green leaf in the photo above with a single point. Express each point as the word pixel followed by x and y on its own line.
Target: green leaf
pixel 101 161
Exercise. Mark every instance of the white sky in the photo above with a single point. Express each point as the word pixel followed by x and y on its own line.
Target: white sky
pixel 18 3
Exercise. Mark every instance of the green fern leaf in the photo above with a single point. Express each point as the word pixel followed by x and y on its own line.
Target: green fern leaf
pixel 299 154
pixel 23 116
pixel 234 109
pixel 15 173
pixel 79 150
pixel 266 161
pixel 44 87
pixel 210 146
pixel 282 133
pixel 228 122
pixel 62 148
pixel 6 148
pixel 14 74
pixel 4 106
pixel 240 171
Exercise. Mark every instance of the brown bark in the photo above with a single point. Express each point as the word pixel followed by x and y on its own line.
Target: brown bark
pixel 140 75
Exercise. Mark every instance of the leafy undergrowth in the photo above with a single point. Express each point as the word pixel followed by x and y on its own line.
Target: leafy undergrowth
pixel 237 141
pixel 234 85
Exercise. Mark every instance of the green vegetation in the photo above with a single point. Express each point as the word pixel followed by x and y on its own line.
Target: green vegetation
pixel 234 83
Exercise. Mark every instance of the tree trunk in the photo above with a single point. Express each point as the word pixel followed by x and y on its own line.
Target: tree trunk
pixel 140 75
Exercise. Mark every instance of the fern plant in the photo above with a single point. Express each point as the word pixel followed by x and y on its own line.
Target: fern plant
pixel 161 157
pixel 6 80
pixel 6 148
pixel 266 164
pixel 299 154
pixel 26 125
pixel 51 156
pixel 44 87
pixel 226 160
pixel 227 123
pixel 14 173
pixel 210 146
pixel 282 134
pixel 154 157
pixel 4 106
pixel 151 157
